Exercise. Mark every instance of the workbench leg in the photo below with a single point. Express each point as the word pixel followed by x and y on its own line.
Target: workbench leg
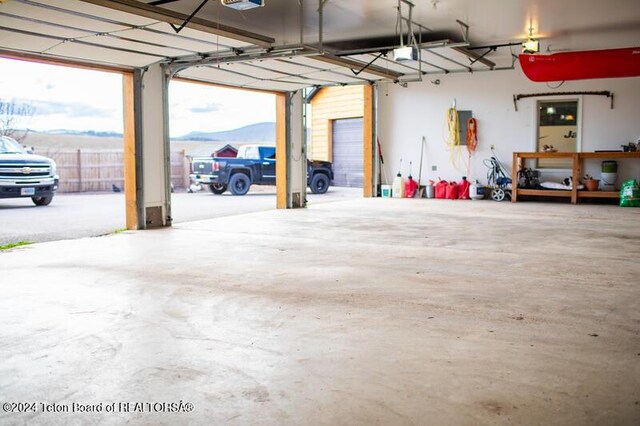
pixel 575 178
pixel 515 167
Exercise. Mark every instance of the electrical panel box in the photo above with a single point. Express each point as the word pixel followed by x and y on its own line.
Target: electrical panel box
pixel 463 119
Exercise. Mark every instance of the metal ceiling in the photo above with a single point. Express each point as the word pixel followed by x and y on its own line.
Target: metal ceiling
pixel 290 44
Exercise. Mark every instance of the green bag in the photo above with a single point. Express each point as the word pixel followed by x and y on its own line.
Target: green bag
pixel 630 194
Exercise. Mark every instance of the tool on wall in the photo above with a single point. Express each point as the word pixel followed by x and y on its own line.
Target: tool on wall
pixel 516 98
pixel 381 173
pixel 421 188
pixel 453 138
pixel 472 135
pixel 472 141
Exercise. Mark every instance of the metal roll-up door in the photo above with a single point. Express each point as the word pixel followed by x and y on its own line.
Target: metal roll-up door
pixel 348 163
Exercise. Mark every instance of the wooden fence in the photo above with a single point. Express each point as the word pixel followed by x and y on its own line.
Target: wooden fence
pixel 100 170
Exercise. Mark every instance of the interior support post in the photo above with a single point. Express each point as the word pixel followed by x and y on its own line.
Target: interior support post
pixel 291 156
pixel 369 141
pixel 130 182
pixel 152 152
pixel 281 151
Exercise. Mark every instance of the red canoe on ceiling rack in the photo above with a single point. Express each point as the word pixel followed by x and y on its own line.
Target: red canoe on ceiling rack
pixel 582 65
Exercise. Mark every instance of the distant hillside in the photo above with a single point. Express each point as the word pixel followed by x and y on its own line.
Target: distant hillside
pixel 84 133
pixel 259 132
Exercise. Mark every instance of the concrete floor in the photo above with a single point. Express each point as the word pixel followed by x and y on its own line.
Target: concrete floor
pixel 369 311
pixel 93 214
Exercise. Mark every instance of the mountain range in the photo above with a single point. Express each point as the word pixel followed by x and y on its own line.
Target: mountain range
pixel 258 132
pixel 83 133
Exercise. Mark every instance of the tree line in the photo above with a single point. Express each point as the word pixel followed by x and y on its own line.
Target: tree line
pixel 13 114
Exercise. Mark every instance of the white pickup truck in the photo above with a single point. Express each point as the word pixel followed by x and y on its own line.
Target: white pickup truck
pixel 23 174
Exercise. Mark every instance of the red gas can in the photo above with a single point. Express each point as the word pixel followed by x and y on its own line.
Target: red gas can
pixel 463 189
pixel 410 187
pixel 441 189
pixel 452 191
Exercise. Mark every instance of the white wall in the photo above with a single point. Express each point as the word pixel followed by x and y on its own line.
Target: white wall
pixel 407 114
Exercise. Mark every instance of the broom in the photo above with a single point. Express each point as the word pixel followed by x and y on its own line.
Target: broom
pixel 421 188
pixel 382 175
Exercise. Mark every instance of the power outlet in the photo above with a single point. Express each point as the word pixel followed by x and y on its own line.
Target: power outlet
pixel 434 168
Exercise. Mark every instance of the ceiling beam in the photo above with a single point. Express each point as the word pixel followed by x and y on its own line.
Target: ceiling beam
pixel 161 14
pixel 357 65
pixel 473 55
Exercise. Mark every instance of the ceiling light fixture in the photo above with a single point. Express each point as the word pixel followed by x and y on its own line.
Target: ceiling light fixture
pixel 242 4
pixel 531 45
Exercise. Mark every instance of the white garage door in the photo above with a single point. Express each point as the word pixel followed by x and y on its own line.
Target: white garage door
pixel 348 152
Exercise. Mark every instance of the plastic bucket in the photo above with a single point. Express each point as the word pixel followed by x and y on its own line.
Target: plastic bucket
pixel 385 191
pixel 609 167
pixel 608 181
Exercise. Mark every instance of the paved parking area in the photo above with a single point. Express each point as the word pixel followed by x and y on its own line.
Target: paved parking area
pixel 89 215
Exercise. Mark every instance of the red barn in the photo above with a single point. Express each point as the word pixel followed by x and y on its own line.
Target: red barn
pixel 226 151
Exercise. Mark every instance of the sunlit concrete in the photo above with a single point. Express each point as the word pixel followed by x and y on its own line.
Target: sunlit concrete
pixel 366 311
pixel 93 214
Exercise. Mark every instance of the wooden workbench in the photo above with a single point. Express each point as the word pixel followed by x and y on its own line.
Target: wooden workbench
pixel 576 173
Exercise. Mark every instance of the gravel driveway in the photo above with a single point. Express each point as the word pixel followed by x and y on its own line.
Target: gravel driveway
pixel 88 215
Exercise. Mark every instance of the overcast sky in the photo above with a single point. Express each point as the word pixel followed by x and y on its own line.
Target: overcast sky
pixel 75 99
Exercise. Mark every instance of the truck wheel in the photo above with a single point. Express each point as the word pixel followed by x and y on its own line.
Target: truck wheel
pixel 319 183
pixel 42 201
pixel 239 184
pixel 217 188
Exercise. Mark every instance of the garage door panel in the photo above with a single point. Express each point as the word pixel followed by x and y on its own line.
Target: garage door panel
pixel 172 40
pixel 99 11
pixel 10 22
pixel 348 152
pixel 109 41
pixel 200 35
pixel 275 85
pixel 25 42
pixel 216 75
pixel 48 15
pixel 99 54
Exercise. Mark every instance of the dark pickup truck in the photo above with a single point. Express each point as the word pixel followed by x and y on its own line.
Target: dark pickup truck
pixel 255 164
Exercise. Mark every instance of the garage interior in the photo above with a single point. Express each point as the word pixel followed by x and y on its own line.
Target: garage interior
pixel 366 311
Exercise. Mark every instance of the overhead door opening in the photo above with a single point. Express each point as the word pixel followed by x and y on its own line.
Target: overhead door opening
pixel 222 149
pixel 73 118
